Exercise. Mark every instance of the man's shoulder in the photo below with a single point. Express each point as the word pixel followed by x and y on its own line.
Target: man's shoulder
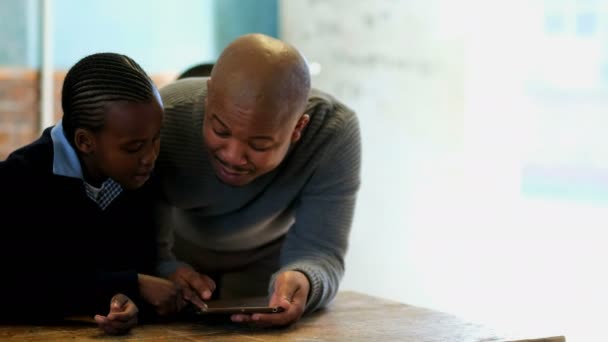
pixel 322 101
pixel 332 126
pixel 329 115
pixel 183 91
pixel 184 105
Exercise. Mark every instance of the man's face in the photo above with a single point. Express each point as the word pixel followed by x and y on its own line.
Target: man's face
pixel 245 139
pixel 127 146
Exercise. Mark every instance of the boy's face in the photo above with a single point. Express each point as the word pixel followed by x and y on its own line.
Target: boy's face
pixel 127 146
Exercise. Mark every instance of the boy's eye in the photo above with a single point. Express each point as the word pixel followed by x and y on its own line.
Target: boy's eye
pixel 134 148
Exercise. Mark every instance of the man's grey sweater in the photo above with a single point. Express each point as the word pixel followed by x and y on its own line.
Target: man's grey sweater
pixel 309 199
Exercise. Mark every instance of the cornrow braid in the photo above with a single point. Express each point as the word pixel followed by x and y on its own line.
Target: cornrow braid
pixel 96 81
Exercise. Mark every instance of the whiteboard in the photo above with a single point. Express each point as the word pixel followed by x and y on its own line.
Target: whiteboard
pixel 399 65
pixel 398 61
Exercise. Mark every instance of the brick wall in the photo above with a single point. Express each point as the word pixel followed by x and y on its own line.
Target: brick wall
pixel 20 106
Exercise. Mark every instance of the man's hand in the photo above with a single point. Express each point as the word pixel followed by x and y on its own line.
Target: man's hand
pixel 290 292
pixel 122 316
pixel 196 287
pixel 163 294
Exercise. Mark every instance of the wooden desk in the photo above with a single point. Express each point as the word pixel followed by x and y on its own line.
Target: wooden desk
pixel 351 317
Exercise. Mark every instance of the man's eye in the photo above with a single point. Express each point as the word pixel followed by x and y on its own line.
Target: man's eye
pixel 220 133
pixel 260 148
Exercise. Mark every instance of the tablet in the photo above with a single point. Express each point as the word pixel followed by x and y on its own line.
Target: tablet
pixel 228 310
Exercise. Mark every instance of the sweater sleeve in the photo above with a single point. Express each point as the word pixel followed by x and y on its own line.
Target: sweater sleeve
pixel 317 242
pixel 167 263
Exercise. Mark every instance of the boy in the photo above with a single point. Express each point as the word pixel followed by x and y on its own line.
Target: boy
pixel 77 204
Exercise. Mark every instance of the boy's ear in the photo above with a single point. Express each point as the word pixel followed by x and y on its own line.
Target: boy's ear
pixel 84 140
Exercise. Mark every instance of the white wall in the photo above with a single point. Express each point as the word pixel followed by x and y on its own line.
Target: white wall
pixel 457 102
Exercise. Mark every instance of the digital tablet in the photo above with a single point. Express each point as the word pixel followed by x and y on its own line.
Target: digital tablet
pixel 228 310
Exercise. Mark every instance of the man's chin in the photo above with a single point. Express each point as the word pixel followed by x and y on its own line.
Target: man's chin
pixel 233 182
pixel 232 179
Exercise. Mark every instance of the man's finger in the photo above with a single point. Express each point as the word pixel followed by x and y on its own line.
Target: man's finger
pixel 202 284
pixel 277 319
pixel 241 318
pixel 196 300
pixel 291 294
pixel 268 320
pixel 187 291
pixel 190 293
pixel 284 291
pixel 293 311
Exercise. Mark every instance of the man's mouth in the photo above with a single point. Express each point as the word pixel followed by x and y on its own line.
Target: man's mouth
pixel 232 170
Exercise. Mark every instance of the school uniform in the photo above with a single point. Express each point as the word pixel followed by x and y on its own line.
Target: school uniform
pixel 67 247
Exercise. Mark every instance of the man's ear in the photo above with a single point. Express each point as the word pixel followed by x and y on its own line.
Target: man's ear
pixel 84 140
pixel 297 131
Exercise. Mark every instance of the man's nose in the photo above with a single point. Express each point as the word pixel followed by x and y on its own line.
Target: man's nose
pixel 234 153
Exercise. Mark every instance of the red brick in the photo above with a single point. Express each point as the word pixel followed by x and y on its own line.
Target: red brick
pixel 11 73
pixel 20 102
pixel 5 137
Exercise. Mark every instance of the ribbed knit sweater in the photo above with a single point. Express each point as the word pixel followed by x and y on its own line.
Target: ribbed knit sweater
pixel 309 199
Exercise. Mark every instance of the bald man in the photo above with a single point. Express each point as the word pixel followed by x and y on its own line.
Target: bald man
pixel 260 176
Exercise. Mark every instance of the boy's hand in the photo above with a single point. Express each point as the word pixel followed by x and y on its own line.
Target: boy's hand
pixel 122 316
pixel 163 294
pixel 197 287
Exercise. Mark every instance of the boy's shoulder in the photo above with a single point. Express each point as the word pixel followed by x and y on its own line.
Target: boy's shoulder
pixel 35 157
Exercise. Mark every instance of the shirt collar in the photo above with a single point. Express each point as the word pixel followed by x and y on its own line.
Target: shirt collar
pixel 66 163
pixel 65 160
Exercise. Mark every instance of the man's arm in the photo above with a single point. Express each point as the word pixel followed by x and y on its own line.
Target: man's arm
pixel 167 264
pixel 196 287
pixel 317 243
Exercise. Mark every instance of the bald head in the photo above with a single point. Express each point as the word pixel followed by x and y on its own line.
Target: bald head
pixel 260 72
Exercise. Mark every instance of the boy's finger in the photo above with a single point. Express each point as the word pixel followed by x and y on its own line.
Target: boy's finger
pixel 120 316
pixel 99 319
pixel 118 301
pixel 117 327
pixel 128 312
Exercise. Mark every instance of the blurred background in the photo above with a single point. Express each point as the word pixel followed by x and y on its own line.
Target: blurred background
pixel 485 157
